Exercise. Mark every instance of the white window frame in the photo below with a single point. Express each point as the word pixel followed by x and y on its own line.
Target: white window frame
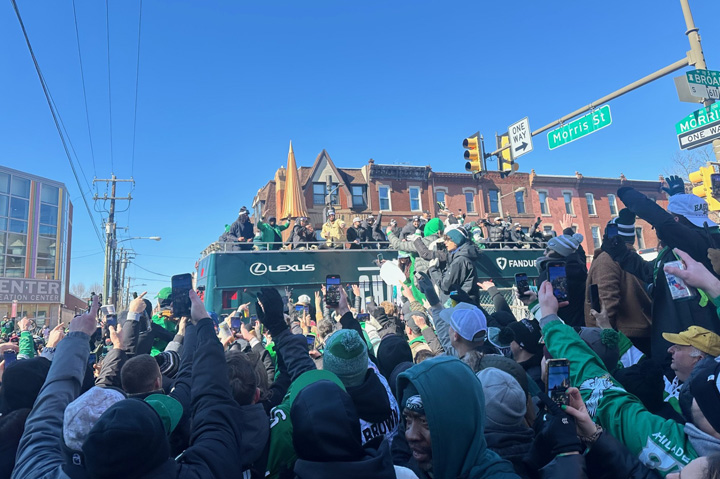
pixel 572 208
pixel 597 241
pixel 524 203
pixel 612 201
pixel 590 200
pixel 389 196
pixel 445 194
pixel 499 208
pixel 473 192
pixel 545 203
pixel 419 197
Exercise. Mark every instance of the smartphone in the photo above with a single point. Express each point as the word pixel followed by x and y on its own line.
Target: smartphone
pixel 92 358
pixel 301 308
pixel 225 331
pixel 558 280
pixel 715 184
pixel 236 322
pixel 332 290
pixel 9 356
pixel 111 321
pixel 381 258
pixel 310 341
pixel 181 286
pixel 611 230
pixel 558 380
pixel 521 282
pixel 678 289
pixel 595 298
pixel 363 317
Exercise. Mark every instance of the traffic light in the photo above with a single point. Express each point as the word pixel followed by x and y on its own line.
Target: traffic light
pixel 506 166
pixel 708 186
pixel 472 154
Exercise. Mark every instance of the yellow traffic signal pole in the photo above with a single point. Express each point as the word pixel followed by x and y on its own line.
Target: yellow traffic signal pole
pixel 694 57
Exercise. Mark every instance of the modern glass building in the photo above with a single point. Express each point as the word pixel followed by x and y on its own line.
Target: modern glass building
pixel 35 232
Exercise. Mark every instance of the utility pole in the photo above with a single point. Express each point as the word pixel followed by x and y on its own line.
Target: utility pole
pixel 109 291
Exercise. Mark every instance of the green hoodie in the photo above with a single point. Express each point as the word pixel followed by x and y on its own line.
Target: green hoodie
pixel 454 405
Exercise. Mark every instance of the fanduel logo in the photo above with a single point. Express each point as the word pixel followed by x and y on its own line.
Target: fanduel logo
pixel 502 262
pixel 259 269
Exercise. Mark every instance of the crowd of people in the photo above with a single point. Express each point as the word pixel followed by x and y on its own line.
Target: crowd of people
pixel 365 233
pixel 432 386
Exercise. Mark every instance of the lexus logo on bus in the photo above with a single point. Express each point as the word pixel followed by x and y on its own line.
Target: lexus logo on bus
pixel 259 269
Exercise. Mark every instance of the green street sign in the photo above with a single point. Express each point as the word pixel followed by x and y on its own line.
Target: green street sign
pixel 704 83
pixel 698 119
pixel 583 126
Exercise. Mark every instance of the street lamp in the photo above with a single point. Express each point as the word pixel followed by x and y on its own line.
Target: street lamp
pixel 154 238
pixel 500 208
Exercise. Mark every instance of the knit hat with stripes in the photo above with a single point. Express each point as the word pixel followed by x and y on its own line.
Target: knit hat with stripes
pixel 626 225
pixel 565 245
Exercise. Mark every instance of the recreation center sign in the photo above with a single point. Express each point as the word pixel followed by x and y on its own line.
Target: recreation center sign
pixel 25 290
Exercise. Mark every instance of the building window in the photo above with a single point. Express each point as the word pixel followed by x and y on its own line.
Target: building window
pixel 597 240
pixel 591 204
pixel 613 204
pixel 544 210
pixel 520 202
pixel 415 203
pixel 640 237
pixel 470 202
pixel 358 196
pixel 567 196
pixel 494 196
pixel 384 195
pixel 20 187
pixel 440 196
pixel 320 192
pixel 49 195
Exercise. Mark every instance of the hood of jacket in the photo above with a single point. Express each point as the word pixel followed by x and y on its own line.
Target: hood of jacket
pixel 376 462
pixel 392 351
pixel 432 227
pixel 371 398
pixel 467 249
pixel 255 432
pixel 454 405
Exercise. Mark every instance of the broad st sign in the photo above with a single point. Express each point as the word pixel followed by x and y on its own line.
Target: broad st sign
pixel 25 290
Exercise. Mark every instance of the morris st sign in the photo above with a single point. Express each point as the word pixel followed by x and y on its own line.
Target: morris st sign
pixel 30 290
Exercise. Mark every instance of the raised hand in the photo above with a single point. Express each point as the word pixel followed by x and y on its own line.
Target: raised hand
pixel 86 322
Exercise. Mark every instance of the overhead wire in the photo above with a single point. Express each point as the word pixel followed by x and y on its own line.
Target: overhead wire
pixel 152 272
pixel 137 78
pixel 107 25
pixel 55 116
pixel 82 76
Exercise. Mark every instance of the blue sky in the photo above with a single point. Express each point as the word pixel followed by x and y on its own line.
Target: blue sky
pixel 225 85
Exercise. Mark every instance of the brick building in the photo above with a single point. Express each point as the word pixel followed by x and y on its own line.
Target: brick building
pixel 401 191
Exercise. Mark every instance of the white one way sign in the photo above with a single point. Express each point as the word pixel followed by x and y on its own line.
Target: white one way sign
pixel 520 138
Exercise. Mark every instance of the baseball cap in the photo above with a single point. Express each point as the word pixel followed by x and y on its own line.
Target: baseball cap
pixel 469 322
pixel 697 336
pixel 692 208
pixel 526 333
pixel 168 408
pixel 356 219
pixel 164 293
pixel 705 388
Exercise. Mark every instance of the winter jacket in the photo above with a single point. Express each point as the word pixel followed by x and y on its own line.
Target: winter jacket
pixel 271 234
pixel 668 315
pixel 461 273
pixel 374 232
pixel 356 233
pixel 421 264
pixel 623 295
pixel 511 444
pixel 407 230
pixel 40 453
pixel 454 405
pixel 496 232
pixel 162 338
pixel 659 443
pixel 242 229
pixel 333 234
pixel 576 271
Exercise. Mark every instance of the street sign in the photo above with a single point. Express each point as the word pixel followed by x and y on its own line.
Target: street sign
pixel 699 127
pixel 520 138
pixel 704 83
pixel 583 126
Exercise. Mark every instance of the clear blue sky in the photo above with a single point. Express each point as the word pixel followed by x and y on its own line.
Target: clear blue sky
pixel 225 85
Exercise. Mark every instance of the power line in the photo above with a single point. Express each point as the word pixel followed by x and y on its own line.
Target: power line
pixel 137 78
pixel 55 116
pixel 151 272
pixel 82 75
pixel 107 24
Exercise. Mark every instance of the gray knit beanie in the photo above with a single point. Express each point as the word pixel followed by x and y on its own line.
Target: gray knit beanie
pixel 505 401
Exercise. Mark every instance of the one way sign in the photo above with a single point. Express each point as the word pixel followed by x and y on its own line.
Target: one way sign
pixel 520 138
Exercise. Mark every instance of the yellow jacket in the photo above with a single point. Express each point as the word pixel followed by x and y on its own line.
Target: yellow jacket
pixel 332 232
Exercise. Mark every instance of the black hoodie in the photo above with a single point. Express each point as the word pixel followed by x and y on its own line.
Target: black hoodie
pixel 461 273
pixel 326 437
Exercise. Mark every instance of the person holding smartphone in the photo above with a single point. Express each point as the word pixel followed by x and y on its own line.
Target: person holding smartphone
pixel 621 294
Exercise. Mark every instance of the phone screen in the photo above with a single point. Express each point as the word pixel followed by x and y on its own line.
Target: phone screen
pixel 611 230
pixel 558 280
pixel 310 341
pixel 300 308
pixel 521 282
pixel 595 297
pixel 235 322
pixel 558 380
pixel 362 317
pixel 9 357
pixel 181 286
pixel 380 258
pixel 111 320
pixel 332 290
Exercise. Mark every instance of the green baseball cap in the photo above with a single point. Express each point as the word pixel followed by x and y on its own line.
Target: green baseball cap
pixel 164 293
pixel 309 377
pixel 168 408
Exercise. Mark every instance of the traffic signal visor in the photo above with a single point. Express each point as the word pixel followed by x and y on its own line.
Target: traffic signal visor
pixel 472 154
